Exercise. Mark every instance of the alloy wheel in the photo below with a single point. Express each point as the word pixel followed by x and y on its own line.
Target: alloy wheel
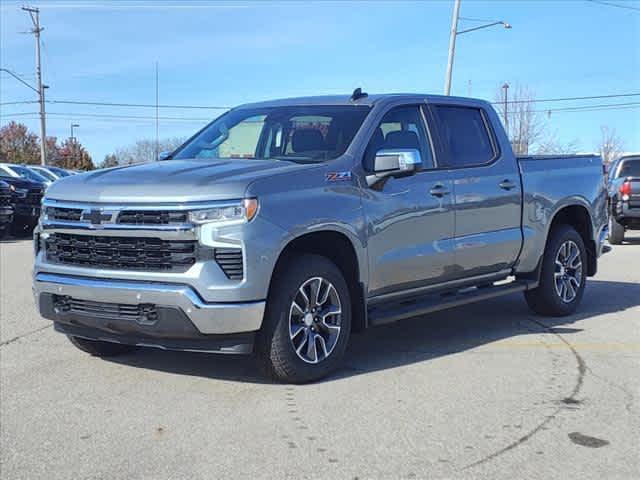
pixel 568 271
pixel 315 320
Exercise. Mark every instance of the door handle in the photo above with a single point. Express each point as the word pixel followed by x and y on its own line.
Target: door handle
pixel 439 191
pixel 507 185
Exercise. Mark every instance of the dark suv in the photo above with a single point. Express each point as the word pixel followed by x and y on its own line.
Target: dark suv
pixel 6 209
pixel 624 197
pixel 26 199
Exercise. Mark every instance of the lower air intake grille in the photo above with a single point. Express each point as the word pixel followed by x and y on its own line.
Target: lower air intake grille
pixel 230 261
pixel 142 313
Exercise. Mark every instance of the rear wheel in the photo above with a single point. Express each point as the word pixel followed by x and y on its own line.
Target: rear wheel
pixel 101 349
pixel 563 275
pixel 307 322
pixel 616 231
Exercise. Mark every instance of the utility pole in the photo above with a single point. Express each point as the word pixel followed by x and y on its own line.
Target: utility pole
pixel 505 87
pixel 34 13
pixel 452 45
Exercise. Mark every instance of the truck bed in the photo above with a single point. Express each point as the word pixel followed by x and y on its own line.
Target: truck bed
pixel 550 182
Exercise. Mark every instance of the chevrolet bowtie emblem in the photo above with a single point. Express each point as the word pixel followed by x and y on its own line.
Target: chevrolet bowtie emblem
pixel 96 217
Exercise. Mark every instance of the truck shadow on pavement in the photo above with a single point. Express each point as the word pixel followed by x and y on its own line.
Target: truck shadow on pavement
pixel 413 340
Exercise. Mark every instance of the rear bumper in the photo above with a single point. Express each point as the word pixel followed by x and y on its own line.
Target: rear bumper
pixel 180 310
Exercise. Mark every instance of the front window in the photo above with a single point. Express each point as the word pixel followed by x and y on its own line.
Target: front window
pixel 303 134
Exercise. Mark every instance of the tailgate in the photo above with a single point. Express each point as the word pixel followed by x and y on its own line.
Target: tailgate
pixel 634 197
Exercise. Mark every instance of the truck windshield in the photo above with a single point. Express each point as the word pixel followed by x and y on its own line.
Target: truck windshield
pixel 303 134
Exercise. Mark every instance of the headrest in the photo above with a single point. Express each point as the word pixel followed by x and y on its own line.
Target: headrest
pixel 402 139
pixel 307 139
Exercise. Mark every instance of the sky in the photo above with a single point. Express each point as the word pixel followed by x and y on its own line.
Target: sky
pixel 226 53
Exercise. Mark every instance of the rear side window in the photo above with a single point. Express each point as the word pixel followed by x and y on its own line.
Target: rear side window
pixel 629 168
pixel 465 135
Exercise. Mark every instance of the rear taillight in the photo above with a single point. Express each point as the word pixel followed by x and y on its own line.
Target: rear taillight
pixel 625 191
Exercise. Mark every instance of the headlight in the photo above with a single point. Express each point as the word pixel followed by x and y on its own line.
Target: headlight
pixel 20 192
pixel 226 215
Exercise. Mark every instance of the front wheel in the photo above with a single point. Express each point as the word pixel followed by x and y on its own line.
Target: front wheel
pixel 563 275
pixel 307 321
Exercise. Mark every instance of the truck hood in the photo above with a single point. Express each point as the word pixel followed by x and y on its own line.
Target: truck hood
pixel 168 181
pixel 23 183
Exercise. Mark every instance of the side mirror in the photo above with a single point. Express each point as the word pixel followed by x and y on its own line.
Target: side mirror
pixel 163 156
pixel 400 162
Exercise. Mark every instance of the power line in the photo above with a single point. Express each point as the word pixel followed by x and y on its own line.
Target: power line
pixel 108 116
pixel 617 5
pixel 570 99
pixel 133 105
pixel 205 107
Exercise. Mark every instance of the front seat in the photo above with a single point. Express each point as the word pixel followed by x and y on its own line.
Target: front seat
pixel 307 140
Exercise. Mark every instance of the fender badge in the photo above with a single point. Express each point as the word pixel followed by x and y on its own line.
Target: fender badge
pixel 338 176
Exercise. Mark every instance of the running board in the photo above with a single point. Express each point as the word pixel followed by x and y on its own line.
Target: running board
pixel 432 303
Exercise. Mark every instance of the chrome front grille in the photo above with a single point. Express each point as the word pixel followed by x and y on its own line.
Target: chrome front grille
pixel 121 253
pixel 64 214
pixel 152 217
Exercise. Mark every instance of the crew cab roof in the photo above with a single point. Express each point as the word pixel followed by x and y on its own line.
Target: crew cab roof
pixel 369 100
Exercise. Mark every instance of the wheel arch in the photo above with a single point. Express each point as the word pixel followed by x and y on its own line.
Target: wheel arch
pixel 340 248
pixel 578 216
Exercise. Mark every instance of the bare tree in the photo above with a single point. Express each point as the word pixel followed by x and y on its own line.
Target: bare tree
pixel 550 145
pixel 144 150
pixel 526 125
pixel 610 146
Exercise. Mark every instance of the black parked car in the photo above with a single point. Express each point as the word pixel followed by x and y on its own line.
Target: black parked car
pixel 26 198
pixel 6 208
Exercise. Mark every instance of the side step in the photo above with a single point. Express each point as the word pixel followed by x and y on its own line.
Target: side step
pixel 432 303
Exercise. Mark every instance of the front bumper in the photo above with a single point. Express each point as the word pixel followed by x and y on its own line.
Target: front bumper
pixel 179 307
pixel 27 211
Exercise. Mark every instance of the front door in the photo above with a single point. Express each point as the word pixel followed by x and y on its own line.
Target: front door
pixel 410 220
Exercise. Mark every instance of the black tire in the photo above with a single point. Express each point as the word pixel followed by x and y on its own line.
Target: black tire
pixel 616 231
pixel 545 299
pixel 274 347
pixel 101 349
pixel 3 232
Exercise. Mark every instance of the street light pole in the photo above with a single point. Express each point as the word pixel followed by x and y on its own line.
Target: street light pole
pixel 73 125
pixel 452 41
pixel 452 46
pixel 34 13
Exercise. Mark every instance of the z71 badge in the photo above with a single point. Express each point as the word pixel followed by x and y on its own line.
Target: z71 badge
pixel 338 176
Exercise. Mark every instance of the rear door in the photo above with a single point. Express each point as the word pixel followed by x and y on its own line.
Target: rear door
pixel 486 190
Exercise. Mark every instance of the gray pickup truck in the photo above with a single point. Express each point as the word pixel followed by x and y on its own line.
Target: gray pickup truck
pixel 282 227
pixel 624 197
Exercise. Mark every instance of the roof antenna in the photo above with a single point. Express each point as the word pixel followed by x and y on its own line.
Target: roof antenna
pixel 358 94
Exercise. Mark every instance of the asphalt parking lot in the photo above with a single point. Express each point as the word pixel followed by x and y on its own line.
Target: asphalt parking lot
pixel 484 391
